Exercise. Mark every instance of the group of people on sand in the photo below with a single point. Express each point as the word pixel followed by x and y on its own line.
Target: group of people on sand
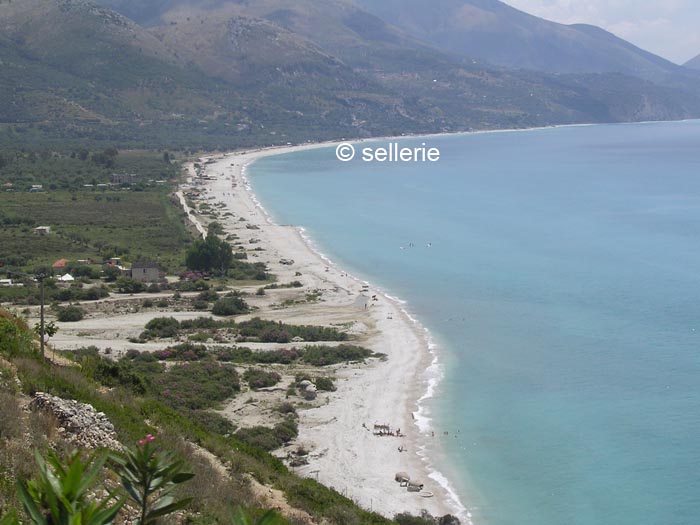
pixel 385 430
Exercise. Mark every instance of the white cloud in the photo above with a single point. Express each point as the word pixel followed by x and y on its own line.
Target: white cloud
pixel 664 27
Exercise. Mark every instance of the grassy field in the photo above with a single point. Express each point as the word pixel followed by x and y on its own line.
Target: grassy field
pixel 71 168
pixel 93 225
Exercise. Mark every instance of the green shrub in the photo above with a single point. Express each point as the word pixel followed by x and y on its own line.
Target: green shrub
pixel 286 408
pixel 331 355
pixel 213 422
pixel 241 354
pixel 208 296
pixel 182 352
pixel 258 378
pixel 111 273
pixel 229 306
pixel 269 438
pixel 325 384
pixel 274 335
pixel 198 385
pixel 129 285
pixel 70 314
pixel 77 294
pixel 256 327
pixel 409 519
pixel 15 336
pixel 161 328
pixel 262 437
pixel 203 323
pixel 110 373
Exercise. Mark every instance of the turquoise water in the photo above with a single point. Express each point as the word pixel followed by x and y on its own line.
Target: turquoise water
pixel 563 287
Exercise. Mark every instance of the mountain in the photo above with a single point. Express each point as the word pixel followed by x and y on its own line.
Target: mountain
pixel 74 69
pixel 693 63
pixel 339 27
pixel 224 73
pixel 495 32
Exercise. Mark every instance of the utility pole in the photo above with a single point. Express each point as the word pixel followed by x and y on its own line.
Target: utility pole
pixel 42 330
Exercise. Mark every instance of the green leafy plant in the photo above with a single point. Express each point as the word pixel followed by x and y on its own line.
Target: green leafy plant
pixel 60 495
pixel 9 519
pixel 149 477
pixel 239 517
pixel 50 329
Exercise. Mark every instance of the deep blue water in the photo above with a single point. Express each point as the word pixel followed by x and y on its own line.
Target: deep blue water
pixel 563 286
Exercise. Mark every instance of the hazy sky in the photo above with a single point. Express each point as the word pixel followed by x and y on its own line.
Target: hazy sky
pixel 670 28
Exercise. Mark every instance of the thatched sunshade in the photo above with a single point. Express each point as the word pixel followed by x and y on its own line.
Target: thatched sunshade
pixel 402 477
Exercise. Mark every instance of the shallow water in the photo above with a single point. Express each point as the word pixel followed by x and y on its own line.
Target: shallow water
pixel 559 271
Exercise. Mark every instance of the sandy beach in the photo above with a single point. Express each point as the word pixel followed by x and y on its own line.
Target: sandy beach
pixel 344 451
pixel 338 429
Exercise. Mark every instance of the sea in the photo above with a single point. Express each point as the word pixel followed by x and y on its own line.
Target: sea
pixel 558 272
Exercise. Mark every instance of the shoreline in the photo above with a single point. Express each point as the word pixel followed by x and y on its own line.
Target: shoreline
pixel 345 455
pixel 235 165
pixel 432 374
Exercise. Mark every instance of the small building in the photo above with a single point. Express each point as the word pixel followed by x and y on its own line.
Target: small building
pixel 61 263
pixel 146 272
pixel 68 278
pixel 4 283
pixel 36 188
pixel 42 230
pixel 123 178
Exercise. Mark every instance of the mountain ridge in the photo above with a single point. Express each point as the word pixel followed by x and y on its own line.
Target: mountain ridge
pixel 693 63
pixel 223 74
pixel 495 32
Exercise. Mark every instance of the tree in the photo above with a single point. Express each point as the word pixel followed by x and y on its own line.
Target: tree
pixel 210 254
pixel 50 329
pixel 229 306
pixel 70 314
pixel 112 273
pixel 105 158
pixel 129 285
